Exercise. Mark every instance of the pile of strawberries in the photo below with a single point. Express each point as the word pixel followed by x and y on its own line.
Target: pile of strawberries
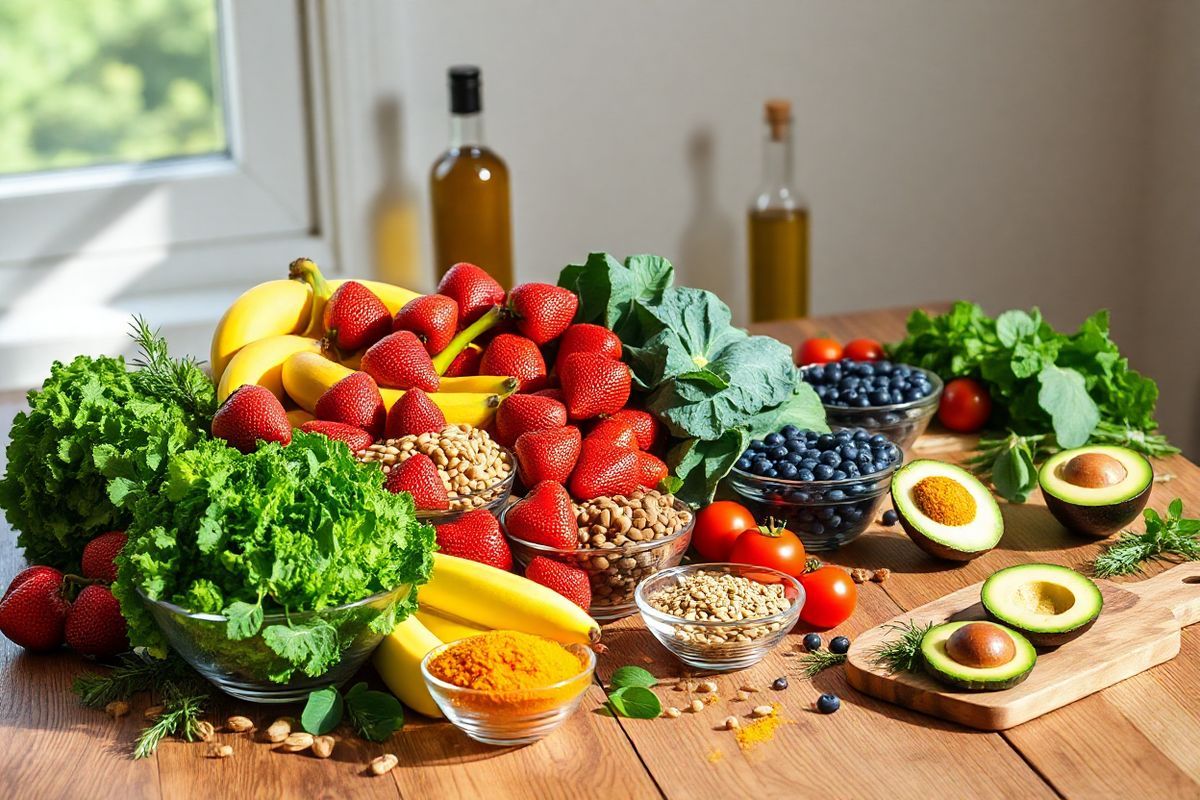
pixel 37 613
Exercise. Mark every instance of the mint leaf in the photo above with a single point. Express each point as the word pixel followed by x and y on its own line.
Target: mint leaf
pixel 322 712
pixel 632 676
pixel 244 619
pixel 375 715
pixel 635 702
pixel 1064 397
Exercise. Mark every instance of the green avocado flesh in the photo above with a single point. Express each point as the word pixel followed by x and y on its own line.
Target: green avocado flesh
pixel 960 542
pixel 1121 481
pixel 941 666
pixel 1048 603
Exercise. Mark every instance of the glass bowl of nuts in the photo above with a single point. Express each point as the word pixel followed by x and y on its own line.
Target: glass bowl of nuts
pixel 720 616
pixel 621 541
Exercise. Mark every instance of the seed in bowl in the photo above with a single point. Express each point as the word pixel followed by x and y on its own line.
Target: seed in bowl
pixel 803 455
pixel 720 597
pixel 864 384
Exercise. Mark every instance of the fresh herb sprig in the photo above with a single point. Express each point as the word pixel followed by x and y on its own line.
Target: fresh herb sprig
pixel 902 653
pixel 180 717
pixel 816 662
pixel 177 380
pixel 1175 538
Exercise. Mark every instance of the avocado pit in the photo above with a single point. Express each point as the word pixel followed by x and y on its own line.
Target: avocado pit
pixel 981 645
pixel 944 500
pixel 1093 470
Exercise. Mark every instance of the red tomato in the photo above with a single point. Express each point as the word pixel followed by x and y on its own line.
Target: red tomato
pixel 864 350
pixel 965 406
pixel 718 525
pixel 829 597
pixel 774 547
pixel 818 351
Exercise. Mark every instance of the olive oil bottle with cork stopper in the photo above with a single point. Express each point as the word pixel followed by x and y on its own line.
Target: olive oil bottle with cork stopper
pixel 778 228
pixel 469 191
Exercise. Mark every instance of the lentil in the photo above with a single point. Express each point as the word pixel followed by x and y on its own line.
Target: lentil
pixel 720 597
pixel 944 500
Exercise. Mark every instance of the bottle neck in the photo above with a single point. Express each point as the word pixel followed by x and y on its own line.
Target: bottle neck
pixel 777 160
pixel 466 129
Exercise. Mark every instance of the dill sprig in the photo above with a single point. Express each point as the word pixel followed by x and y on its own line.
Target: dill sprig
pixel 817 661
pixel 179 380
pixel 1175 538
pixel 901 654
pixel 180 717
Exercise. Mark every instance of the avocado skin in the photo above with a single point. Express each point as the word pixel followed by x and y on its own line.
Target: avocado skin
pixel 976 686
pixel 1042 639
pixel 1097 522
pixel 935 549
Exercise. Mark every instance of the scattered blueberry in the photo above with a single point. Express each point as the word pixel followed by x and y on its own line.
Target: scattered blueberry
pixel 839 645
pixel 780 683
pixel 890 517
pixel 812 642
pixel 828 703
pixel 863 384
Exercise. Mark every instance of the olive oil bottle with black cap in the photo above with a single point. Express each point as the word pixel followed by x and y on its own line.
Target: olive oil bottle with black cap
pixel 468 188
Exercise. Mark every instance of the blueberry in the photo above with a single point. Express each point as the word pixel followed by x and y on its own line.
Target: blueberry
pixel 790 431
pixel 864 458
pixel 912 394
pixel 815 374
pixel 830 458
pixel 812 454
pixel 804 474
pixel 743 464
pixel 861 402
pixel 835 521
pixel 756 444
pixel 848 451
pixel 843 437
pixel 896 397
pixel 833 373
pixel 861 435
pixel 877 440
pixel 837 495
pixel 760 466
pixel 839 645
pixel 890 517
pixel 795 446
pixel 787 471
pixel 883 368
pixel 780 683
pixel 849 396
pixel 825 441
pixel 778 451
pixel 771 473
pixel 812 641
pixel 816 529
pixel 839 475
pixel 808 463
pixel 772 439
pixel 828 703
pixel 822 472
pixel 879 398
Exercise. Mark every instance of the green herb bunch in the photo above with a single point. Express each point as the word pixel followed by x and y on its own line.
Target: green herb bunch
pixel 1175 538
pixel 901 651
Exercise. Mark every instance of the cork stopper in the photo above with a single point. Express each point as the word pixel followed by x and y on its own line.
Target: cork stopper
pixel 778 114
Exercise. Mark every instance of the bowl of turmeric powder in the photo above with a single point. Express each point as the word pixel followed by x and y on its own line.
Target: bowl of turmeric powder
pixel 508 687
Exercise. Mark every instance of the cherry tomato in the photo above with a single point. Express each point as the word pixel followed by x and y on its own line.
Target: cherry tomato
pixel 818 351
pixel 829 597
pixel 770 546
pixel 718 525
pixel 864 350
pixel 965 406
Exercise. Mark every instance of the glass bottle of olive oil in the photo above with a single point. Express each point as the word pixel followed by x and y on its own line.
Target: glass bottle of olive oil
pixel 778 228
pixel 469 190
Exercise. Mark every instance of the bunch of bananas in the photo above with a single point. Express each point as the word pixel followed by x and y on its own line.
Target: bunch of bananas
pixel 273 333
pixel 464 598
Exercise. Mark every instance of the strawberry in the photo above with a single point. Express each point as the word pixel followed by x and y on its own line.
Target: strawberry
pixel 544 516
pixel 473 289
pixel 33 612
pixel 547 455
pixel 418 476
pixel 413 414
pixel 588 338
pixel 553 392
pixel 521 413
pixel 100 554
pixel 354 400
pixel 509 354
pixel 355 438
pixel 250 415
pixel 466 362
pixel 432 317
pixel 613 431
pixel 651 470
pixel 475 536
pixel 568 580
pixel 605 469
pixel 542 311
pixel 400 361
pixel 593 385
pixel 95 626
pixel 645 425
pixel 355 318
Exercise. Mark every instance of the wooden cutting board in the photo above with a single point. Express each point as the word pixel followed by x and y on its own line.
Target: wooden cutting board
pixel 1138 628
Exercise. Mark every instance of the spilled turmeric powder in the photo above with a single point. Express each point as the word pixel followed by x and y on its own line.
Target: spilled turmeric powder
pixel 760 730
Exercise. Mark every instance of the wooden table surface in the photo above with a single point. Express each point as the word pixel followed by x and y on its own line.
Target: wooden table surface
pixel 1138 738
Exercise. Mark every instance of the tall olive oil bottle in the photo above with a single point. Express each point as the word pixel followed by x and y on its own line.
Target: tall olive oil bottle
pixel 778 228
pixel 468 188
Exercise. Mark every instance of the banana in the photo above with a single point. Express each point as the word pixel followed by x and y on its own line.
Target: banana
pixel 298 416
pixel 493 598
pixel 261 362
pixel 503 385
pixel 307 375
pixel 398 662
pixel 273 308
pixel 447 629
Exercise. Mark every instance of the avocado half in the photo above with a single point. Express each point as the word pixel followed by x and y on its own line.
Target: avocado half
pixel 1103 509
pixel 941 666
pixel 1049 604
pixel 950 542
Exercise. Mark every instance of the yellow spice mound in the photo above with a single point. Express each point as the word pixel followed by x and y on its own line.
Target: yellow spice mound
pixel 504 661
pixel 944 500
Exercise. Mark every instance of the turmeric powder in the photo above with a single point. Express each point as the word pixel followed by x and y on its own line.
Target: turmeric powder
pixel 760 730
pixel 944 500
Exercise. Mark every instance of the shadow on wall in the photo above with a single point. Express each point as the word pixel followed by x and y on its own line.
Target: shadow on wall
pixel 395 210
pixel 706 249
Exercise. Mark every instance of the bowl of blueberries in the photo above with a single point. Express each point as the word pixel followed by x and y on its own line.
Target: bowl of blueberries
pixel 896 400
pixel 825 487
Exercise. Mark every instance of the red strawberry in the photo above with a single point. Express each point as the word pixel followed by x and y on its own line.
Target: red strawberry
pixel 473 289
pixel 613 431
pixel 418 476
pixel 355 438
pixel 413 414
pixel 547 455
pixel 651 470
pixel 605 469
pixel 544 516
pixel 99 556
pixel 466 362
pixel 95 626
pixel 33 612
pixel 355 318
pixel 521 413
pixel 400 361
pixel 509 354
pixel 645 425
pixel 588 338
pixel 569 581
pixel 249 415
pixel 543 311
pixel 354 400
pixel 432 317
pixel 475 536
pixel 593 385
pixel 553 392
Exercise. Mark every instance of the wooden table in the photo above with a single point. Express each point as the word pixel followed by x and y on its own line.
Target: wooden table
pixel 1138 738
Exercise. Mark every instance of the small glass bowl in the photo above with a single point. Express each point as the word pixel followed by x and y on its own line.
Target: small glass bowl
pixel 492 498
pixel 752 638
pixel 613 572
pixel 902 423
pixel 511 718
pixel 824 514
pixel 240 668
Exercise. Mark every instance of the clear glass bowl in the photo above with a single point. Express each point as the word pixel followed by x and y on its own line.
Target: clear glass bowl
pixel 240 668
pixel 824 514
pixel 902 423
pixel 492 498
pixel 613 572
pixel 748 641
pixel 511 718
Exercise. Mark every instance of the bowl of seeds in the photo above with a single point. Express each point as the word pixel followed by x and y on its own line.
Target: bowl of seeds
pixel 621 541
pixel 720 616
pixel 477 471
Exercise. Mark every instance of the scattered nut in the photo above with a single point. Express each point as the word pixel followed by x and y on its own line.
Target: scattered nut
pixel 205 731
pixel 707 686
pixel 749 688
pixel 322 746
pixel 240 724
pixel 384 764
pixel 672 712
pixel 218 750
pixel 860 575
pixel 763 711
pixel 743 695
pixel 279 730
pixel 732 723
pixel 697 706
pixel 881 575
pixel 297 742
pixel 152 712
pixel 117 708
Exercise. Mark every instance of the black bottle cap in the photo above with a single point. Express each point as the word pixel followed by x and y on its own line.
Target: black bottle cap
pixel 464 90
